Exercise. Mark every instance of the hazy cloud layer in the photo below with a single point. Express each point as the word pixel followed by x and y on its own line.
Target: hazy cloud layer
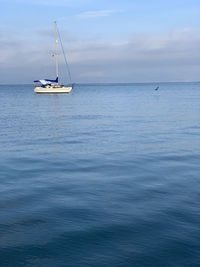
pixel 173 56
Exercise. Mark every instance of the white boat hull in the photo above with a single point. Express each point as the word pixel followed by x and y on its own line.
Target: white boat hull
pixel 52 90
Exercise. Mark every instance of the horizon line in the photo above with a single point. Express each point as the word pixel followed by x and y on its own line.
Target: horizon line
pixel 88 83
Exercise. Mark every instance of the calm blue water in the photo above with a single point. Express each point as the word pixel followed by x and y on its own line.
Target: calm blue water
pixel 108 175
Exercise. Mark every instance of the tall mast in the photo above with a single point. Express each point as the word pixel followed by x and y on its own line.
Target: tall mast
pixel 56 44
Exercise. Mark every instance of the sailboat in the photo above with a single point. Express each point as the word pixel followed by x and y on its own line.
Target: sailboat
pixel 48 86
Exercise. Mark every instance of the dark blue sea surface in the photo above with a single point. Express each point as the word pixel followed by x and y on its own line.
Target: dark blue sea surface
pixel 108 175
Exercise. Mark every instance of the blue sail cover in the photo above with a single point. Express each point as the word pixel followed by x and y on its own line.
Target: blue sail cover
pixel 47 81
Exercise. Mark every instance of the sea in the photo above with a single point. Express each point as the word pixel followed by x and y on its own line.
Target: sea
pixel 108 175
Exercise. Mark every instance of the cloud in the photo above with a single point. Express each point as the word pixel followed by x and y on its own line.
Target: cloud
pixel 95 14
pixel 91 73
pixel 173 56
pixel 171 47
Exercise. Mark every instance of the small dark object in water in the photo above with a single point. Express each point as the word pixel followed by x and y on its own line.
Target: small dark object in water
pixel 156 88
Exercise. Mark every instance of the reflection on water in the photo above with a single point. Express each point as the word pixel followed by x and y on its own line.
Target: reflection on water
pixel 57 122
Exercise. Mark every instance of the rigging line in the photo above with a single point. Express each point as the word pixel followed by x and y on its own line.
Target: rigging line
pixel 68 70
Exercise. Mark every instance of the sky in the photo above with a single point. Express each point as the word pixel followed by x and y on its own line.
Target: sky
pixel 104 41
